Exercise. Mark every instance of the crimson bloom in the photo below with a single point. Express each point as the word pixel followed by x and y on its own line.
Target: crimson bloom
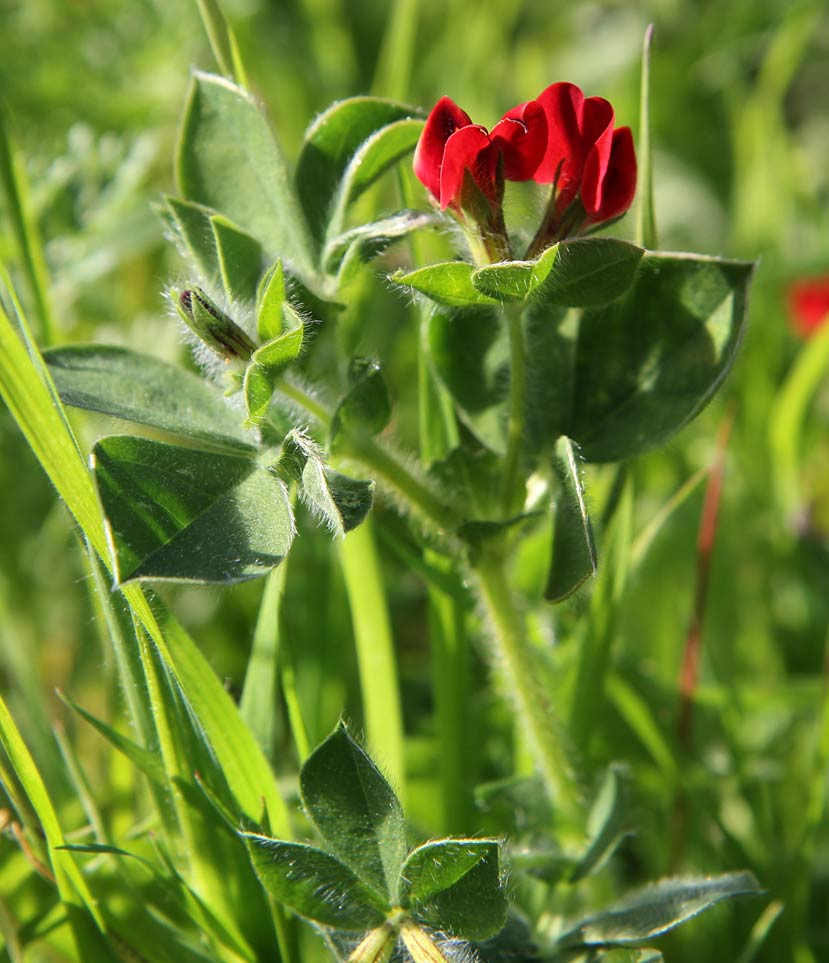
pixel 587 160
pixel 808 304
pixel 452 146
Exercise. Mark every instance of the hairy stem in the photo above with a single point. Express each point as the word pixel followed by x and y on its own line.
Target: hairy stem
pixel 517 398
pixel 533 708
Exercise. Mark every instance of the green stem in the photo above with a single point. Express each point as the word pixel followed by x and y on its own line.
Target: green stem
pixel 535 712
pixel 517 400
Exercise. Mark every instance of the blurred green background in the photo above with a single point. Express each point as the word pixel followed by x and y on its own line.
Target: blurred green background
pixel 740 127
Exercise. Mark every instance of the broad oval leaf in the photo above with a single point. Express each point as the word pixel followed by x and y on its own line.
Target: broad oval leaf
pixel 330 143
pixel 437 865
pixel 659 908
pixel 514 280
pixel 267 364
pixel 574 550
pixel 648 363
pixel 370 240
pixel 448 283
pixel 269 300
pixel 314 884
pixel 182 514
pixel 474 905
pixel 192 225
pixel 356 810
pixel 143 389
pixel 366 407
pixel 229 160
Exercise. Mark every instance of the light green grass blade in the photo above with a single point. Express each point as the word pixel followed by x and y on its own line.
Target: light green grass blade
pixel 222 41
pixel 375 652
pixel 394 64
pixel 645 212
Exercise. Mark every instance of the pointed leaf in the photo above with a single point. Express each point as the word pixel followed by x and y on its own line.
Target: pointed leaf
pixel 330 143
pixel 240 259
pixel 515 280
pixel 314 884
pixel 574 550
pixel 188 515
pixel 229 160
pixel 267 364
pixel 589 272
pixel 375 155
pixel 356 810
pixel 370 240
pixel 659 908
pixel 448 283
pixel 269 300
pixel 456 886
pixel 137 387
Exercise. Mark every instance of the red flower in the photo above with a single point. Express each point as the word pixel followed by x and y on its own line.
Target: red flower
pixel 808 303
pixel 586 157
pixel 451 145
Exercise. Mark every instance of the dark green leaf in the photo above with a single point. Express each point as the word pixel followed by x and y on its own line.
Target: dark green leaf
pixel 240 259
pixel 374 156
pixel 192 225
pixel 189 515
pixel 137 387
pixel 659 908
pixel 470 352
pixel 267 364
pixel 269 300
pixel 574 551
pixel 473 906
pixel 339 502
pixel 229 160
pixel 329 146
pixel 605 825
pixel 356 810
pixel 436 866
pixel 448 283
pixel 366 408
pixel 649 362
pixel 589 272
pixel 314 884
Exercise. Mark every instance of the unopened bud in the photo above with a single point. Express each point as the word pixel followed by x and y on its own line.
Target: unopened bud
pixel 212 326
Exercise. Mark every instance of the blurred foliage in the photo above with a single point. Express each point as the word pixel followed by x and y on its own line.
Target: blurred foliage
pixel 741 135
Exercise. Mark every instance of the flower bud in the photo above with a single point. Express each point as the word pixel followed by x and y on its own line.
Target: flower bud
pixel 213 327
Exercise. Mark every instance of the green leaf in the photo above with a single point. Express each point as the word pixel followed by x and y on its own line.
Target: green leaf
pixel 229 160
pixel 659 908
pixel 456 886
pixel 574 551
pixel 375 155
pixel 470 352
pixel 362 244
pixel 356 810
pixel 583 273
pixel 267 364
pixel 330 143
pixel 605 825
pixel 436 866
pixel 314 884
pixel 448 283
pixel 648 363
pixel 192 224
pixel 143 389
pixel 188 515
pixel 366 407
pixel 240 259
pixel 340 502
pixel 269 300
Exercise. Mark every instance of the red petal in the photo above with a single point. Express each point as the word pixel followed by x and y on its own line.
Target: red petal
pixel 446 117
pixel 522 136
pixel 608 186
pixel 575 126
pixel 808 303
pixel 468 149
